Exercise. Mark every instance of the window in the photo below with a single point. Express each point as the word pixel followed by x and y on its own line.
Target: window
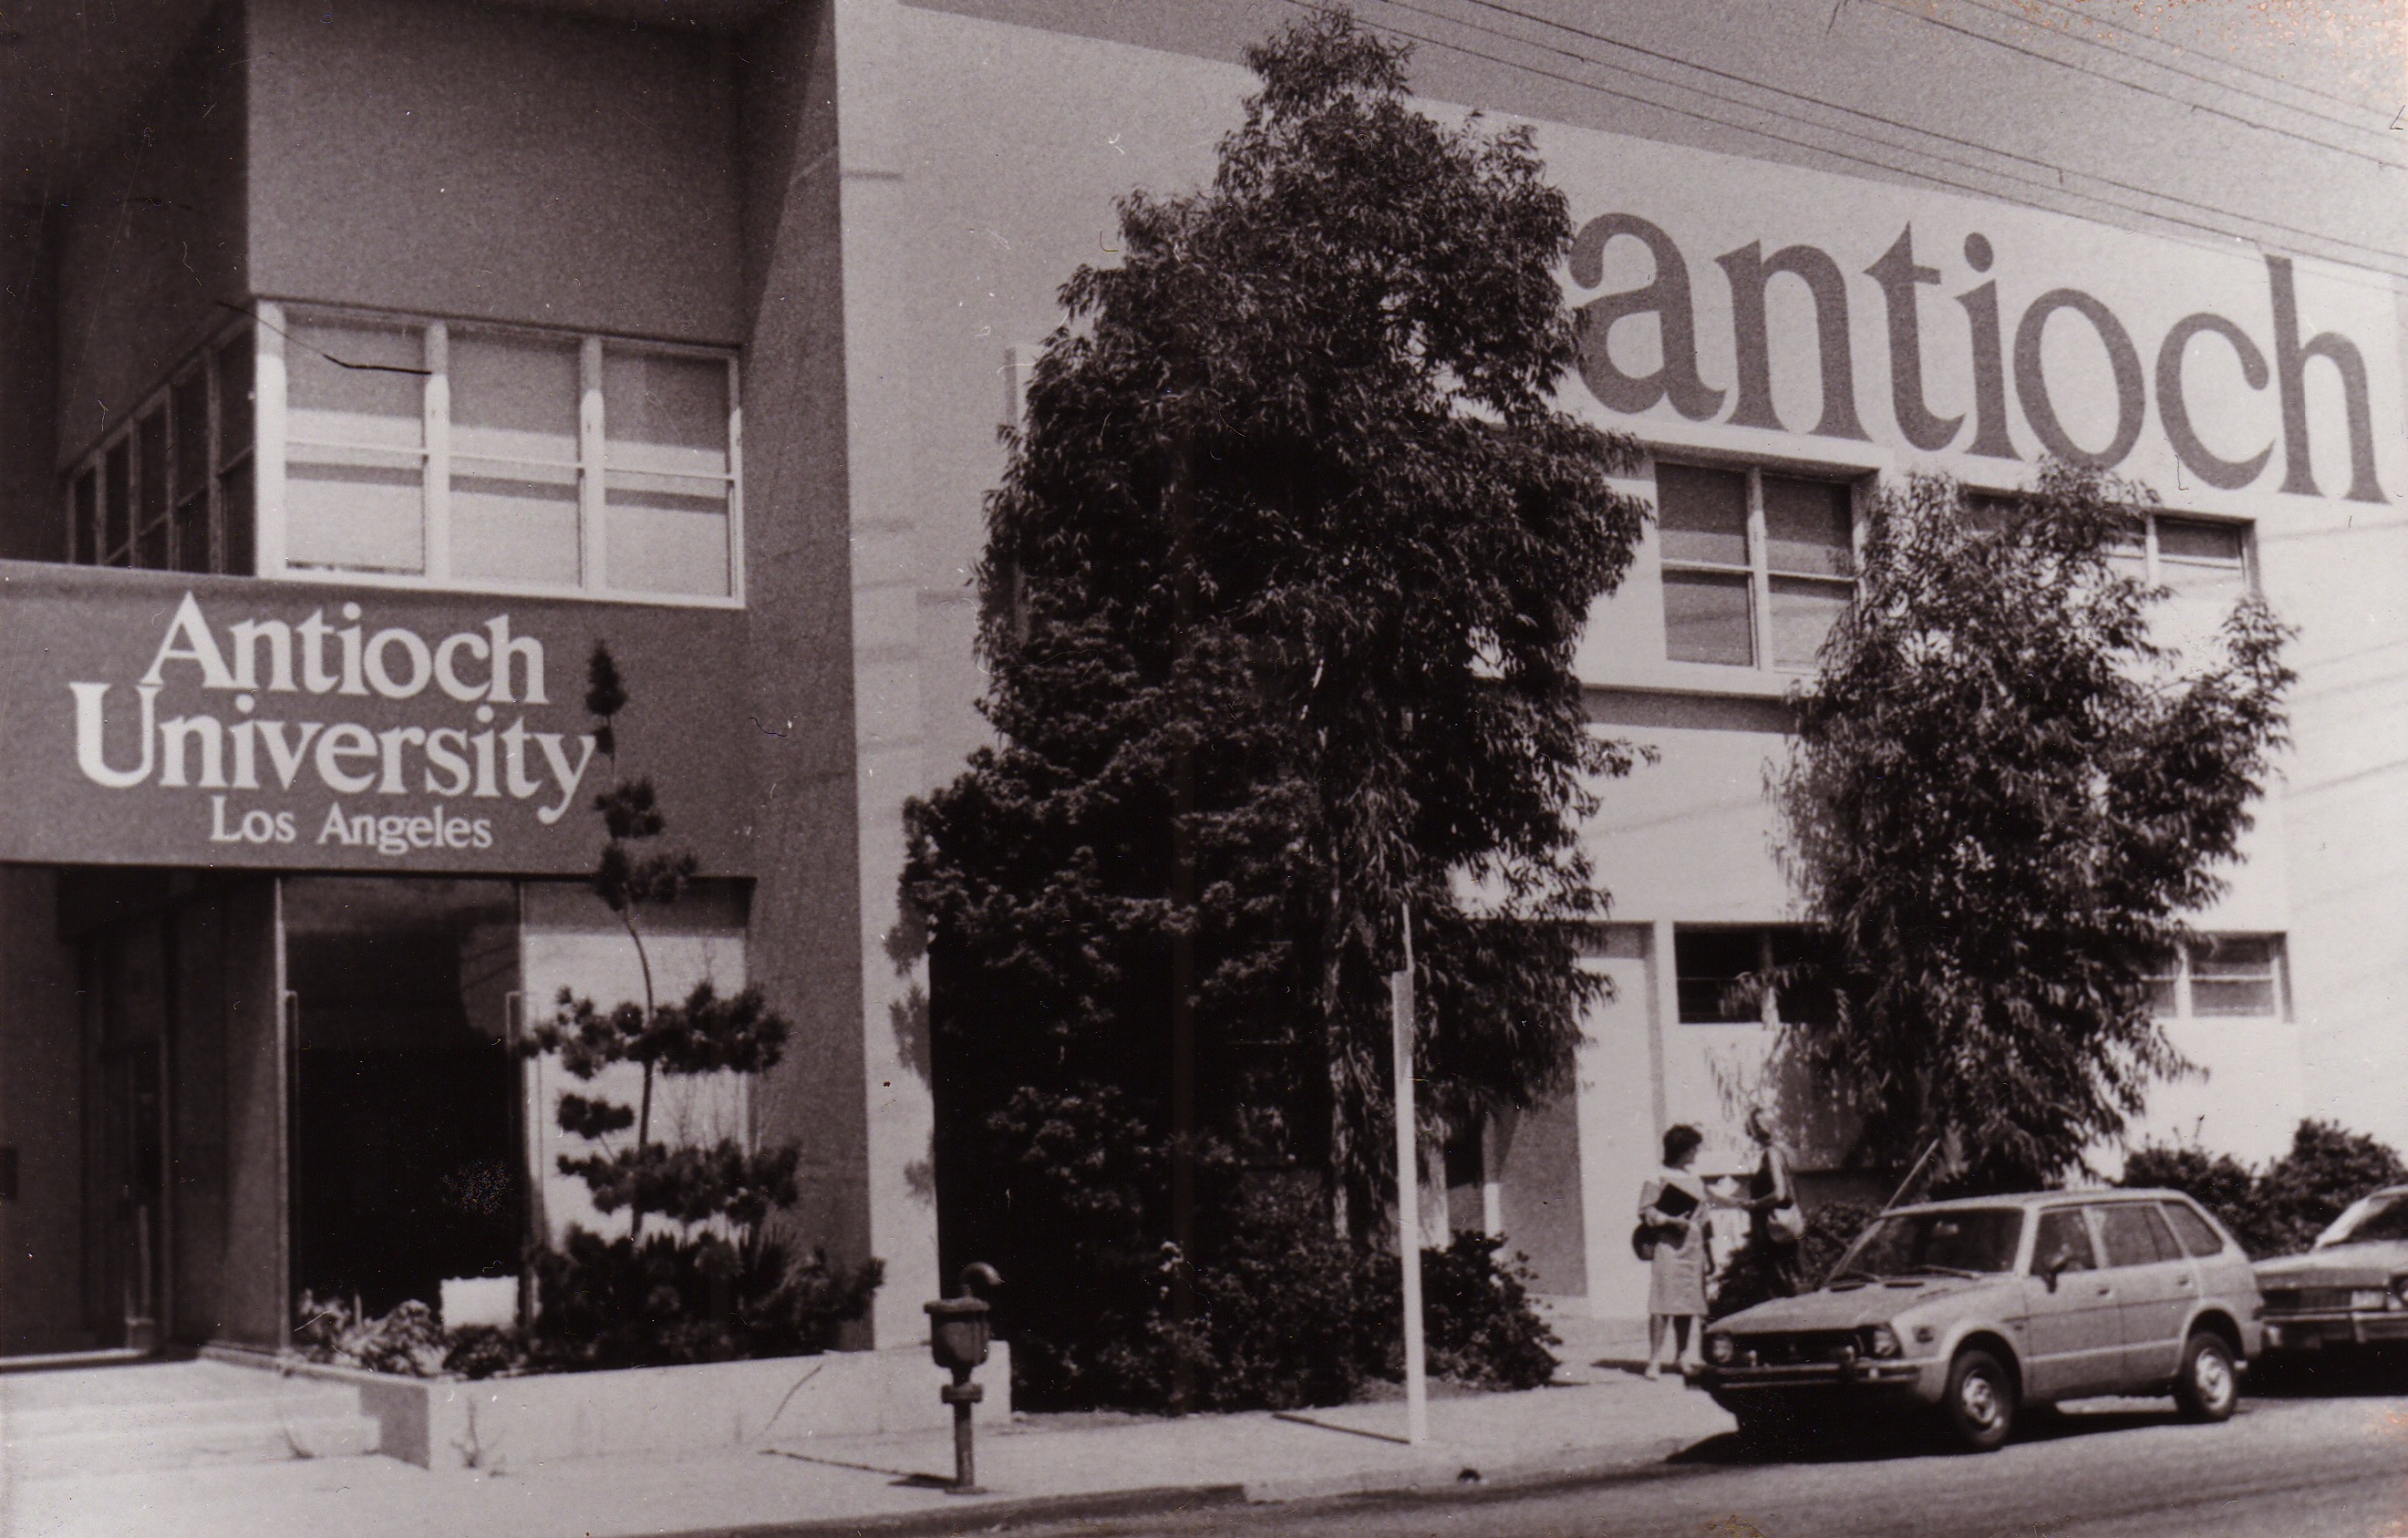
pixel 2198 1235
pixel 2202 564
pixel 493 457
pixel 170 489
pixel 2135 1234
pixel 1716 974
pixel 1758 567
pixel 2222 977
pixel 2063 1242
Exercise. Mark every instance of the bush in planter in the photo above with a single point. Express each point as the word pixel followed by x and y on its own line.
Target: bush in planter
pixel 1830 1229
pixel 718 1287
pixel 407 1341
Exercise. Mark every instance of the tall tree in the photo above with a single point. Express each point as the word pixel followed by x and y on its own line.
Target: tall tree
pixel 1282 591
pixel 2003 800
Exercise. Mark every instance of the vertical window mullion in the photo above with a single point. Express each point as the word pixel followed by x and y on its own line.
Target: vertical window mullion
pixel 2149 548
pixel 593 559
pixel 1768 1007
pixel 213 411
pixel 2182 964
pixel 435 406
pixel 1760 584
pixel 268 443
pixel 735 485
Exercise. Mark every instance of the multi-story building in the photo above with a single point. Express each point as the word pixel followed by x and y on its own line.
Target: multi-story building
pixel 365 364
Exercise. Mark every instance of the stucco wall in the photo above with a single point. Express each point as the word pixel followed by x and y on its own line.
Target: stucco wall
pixel 149 246
pixel 462 160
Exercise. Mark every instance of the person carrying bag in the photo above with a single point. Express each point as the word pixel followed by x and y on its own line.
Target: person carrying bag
pixel 1671 1237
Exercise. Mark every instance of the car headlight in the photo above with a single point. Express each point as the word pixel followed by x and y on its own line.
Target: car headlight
pixel 1719 1350
pixel 2369 1298
pixel 2399 1292
pixel 1882 1341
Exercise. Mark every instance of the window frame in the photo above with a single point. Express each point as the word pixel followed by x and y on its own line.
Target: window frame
pixel 1758 569
pixel 89 534
pixel 2278 975
pixel 593 466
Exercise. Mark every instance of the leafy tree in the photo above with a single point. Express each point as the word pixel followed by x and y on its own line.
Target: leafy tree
pixel 2002 798
pixel 719 1287
pixel 1280 595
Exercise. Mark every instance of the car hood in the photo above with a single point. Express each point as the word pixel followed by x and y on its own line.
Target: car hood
pixel 2371 1264
pixel 1850 1307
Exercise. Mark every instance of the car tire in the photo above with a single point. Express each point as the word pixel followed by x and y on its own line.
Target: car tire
pixel 1979 1408
pixel 2208 1387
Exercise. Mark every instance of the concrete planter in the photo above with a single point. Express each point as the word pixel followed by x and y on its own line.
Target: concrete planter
pixel 440 1423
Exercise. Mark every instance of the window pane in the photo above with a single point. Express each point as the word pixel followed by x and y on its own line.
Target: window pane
pixel 2212 545
pixel 2063 1242
pixel 2163 1002
pixel 1803 613
pixel 2233 977
pixel 192 411
pixel 514 488
pixel 235 507
pixel 665 414
pixel 668 534
pixel 355 511
pixel 83 538
pixel 1806 999
pixel 1806 527
pixel 1990 514
pixel 355 384
pixel 513 397
pixel 1702 514
pixel 236 368
pixel 1707 619
pixel 2135 1235
pixel 514 523
pixel 116 487
pixel 1707 965
pixel 193 532
pixel 2128 548
pixel 151 491
pixel 2196 1234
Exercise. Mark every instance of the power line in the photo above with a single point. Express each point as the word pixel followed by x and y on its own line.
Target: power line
pixel 1918 173
pixel 2228 64
pixel 2059 171
pixel 2132 85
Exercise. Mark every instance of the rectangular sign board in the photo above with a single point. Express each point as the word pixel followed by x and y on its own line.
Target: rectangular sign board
pixel 165 719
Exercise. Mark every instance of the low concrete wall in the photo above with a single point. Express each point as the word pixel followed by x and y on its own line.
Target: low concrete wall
pixel 445 1423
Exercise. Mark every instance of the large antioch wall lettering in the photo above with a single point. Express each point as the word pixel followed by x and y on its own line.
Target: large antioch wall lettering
pixel 1897 275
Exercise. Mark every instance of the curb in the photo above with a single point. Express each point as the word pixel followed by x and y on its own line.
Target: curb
pixel 973 1515
pixel 1437 1479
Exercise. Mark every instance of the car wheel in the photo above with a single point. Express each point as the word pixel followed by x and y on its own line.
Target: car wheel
pixel 2208 1386
pixel 1980 1406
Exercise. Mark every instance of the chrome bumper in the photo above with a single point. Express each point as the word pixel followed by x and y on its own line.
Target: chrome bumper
pixel 1862 1373
pixel 2314 1332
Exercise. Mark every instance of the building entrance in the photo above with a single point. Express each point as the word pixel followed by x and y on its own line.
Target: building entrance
pixel 407 1163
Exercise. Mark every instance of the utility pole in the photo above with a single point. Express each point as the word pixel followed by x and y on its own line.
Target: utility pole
pixel 1181 498
pixel 1409 1192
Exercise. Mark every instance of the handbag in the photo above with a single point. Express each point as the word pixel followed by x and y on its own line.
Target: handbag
pixel 1785 1223
pixel 1649 1237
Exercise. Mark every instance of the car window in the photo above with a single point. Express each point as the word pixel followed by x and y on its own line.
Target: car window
pixel 2374 1217
pixel 2198 1235
pixel 1965 1239
pixel 2063 1244
pixel 2135 1235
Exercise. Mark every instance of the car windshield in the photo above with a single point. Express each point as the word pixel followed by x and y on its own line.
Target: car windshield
pixel 2372 1218
pixel 1964 1242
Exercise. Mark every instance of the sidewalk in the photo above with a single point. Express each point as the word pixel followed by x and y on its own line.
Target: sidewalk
pixel 1600 1421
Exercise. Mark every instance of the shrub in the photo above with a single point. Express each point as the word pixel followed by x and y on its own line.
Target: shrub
pixel 2303 1191
pixel 1476 1311
pixel 2280 1209
pixel 1830 1229
pixel 408 1340
pixel 668 1300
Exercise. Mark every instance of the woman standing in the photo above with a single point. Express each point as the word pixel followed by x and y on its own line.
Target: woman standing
pixel 1773 1222
pixel 1672 1203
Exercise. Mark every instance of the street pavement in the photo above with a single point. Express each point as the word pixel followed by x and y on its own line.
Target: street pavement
pixel 2283 1468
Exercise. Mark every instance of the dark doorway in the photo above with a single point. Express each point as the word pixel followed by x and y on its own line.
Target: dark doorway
pixel 406 1154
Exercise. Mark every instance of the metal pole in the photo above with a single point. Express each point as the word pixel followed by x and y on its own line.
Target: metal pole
pixel 1409 1215
pixel 1181 499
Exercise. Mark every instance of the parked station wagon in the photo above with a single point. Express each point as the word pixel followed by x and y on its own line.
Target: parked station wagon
pixel 1974 1309
pixel 2349 1290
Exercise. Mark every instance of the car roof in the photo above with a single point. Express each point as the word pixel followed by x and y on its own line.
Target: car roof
pixel 2043 1199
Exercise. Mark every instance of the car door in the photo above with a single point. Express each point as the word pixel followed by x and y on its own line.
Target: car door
pixel 2073 1336
pixel 2155 1288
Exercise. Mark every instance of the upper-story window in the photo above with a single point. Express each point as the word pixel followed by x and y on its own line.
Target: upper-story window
pixel 171 490
pixel 404 451
pixel 2222 977
pixel 1735 976
pixel 1757 565
pixel 2203 565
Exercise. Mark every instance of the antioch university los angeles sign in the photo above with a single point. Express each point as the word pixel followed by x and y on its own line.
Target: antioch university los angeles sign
pixel 1724 301
pixel 161 719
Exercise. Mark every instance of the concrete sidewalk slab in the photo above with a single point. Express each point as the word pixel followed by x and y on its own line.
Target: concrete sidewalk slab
pixel 1041 1466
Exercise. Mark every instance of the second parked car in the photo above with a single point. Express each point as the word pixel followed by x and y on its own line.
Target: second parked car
pixel 2349 1292
pixel 1971 1310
